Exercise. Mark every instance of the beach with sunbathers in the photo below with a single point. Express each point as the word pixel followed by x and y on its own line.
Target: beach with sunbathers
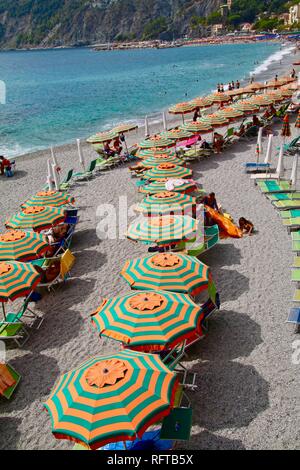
pixel 246 393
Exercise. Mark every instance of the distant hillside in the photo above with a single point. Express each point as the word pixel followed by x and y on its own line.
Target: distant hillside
pixel 28 23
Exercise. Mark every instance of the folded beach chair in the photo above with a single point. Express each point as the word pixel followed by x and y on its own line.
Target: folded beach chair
pixel 25 311
pixel 229 137
pixel 290 214
pixel 288 204
pixel 8 392
pixel 295 275
pixel 291 146
pixel 87 174
pixel 67 261
pixel 291 223
pixel 253 166
pixel 14 331
pixel 274 186
pixel 65 184
pixel 197 247
pixel 284 196
pixel 295 242
pixel 296 262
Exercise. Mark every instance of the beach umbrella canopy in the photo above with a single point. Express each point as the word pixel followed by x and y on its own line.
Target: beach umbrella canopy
pixel 231 113
pixel 152 152
pixel 111 398
pixel 275 83
pixel 167 170
pixel 159 159
pixel 286 92
pixel 167 271
pixel 214 120
pixel 239 91
pixel 261 100
pixel 197 127
pixel 17 280
pixel 123 128
pixel 49 198
pixel 36 217
pixel 158 141
pixel 166 202
pixel 148 321
pixel 178 133
pixel 275 96
pixel 21 246
pixel 182 108
pixel 160 186
pixel 286 129
pixel 201 102
pixel 256 86
pixel 246 106
pixel 164 230
pixel 219 98
pixel 102 137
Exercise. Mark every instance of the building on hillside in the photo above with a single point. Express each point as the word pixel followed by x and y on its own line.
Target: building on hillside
pixel 294 15
pixel 217 29
pixel 285 17
pixel 225 9
pixel 246 27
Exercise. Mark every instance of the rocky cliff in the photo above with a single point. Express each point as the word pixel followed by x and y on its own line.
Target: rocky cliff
pixel 47 23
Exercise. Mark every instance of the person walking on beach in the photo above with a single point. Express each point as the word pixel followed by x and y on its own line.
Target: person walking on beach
pixel 232 85
pixel 276 78
pixel 222 88
pixel 229 86
pixel 237 85
pixel 293 74
pixel 219 88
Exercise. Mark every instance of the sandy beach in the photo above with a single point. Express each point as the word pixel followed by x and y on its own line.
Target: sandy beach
pixel 248 387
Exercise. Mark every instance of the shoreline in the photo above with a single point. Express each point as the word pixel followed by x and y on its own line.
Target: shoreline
pixel 272 68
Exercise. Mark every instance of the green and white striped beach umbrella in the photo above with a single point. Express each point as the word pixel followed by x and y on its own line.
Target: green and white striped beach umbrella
pixel 230 113
pixel 261 100
pixel 174 272
pixel 166 202
pixel 275 96
pixel 126 127
pixel 201 102
pixel 214 120
pixel 178 133
pixel 160 186
pixel 102 137
pixel 158 141
pixel 164 230
pixel 49 198
pixel 167 170
pixel 218 98
pixel 197 127
pixel 36 217
pixel 17 245
pixel 111 398
pixel 148 321
pixel 17 280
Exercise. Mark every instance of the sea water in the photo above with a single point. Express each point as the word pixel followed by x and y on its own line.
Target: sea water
pixel 55 96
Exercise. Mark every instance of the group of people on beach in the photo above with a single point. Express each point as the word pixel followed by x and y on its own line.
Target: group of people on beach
pixel 5 166
pixel 231 86
pixel 115 147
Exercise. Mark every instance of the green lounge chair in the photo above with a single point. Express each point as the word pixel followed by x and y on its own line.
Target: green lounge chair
pixel 295 275
pixel 296 236
pixel 291 222
pixel 274 186
pixel 290 214
pixel 177 425
pixel 66 183
pixel 87 174
pixel 13 331
pixel 284 205
pixel 12 317
pixel 17 377
pixel 296 246
pixel 196 247
pixel 296 297
pixel 296 262
pixel 284 196
pixel 291 146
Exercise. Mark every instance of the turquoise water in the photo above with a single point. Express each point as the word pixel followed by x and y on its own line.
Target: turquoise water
pixel 56 96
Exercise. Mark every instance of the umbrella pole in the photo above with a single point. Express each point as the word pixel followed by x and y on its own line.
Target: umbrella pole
pixel 3 311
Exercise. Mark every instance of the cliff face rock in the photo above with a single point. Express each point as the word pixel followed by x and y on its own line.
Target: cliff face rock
pixel 29 23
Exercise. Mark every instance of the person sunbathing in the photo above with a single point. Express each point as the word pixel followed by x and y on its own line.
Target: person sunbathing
pixel 218 142
pixel 246 226
pixel 50 273
pixel 117 146
pixel 107 150
pixel 241 131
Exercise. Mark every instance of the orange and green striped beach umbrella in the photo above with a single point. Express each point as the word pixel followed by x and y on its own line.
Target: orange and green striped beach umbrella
pixel 21 246
pixel 201 102
pixel 158 141
pixel 123 128
pixel 165 230
pixel 148 321
pixel 286 93
pixel 17 280
pixel 166 202
pixel 275 83
pixel 167 271
pixel 275 96
pixel 102 137
pixel 214 120
pixel 167 170
pixel 36 217
pixel 183 108
pixel 111 398
pixel 161 158
pixel 246 106
pixel 261 100
pixel 49 198
pixel 256 86
pixel 178 133
pixel 297 123
pixel 231 113
pixel 160 186
pixel 152 152
pixel 197 127
pixel 219 98
pixel 286 129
